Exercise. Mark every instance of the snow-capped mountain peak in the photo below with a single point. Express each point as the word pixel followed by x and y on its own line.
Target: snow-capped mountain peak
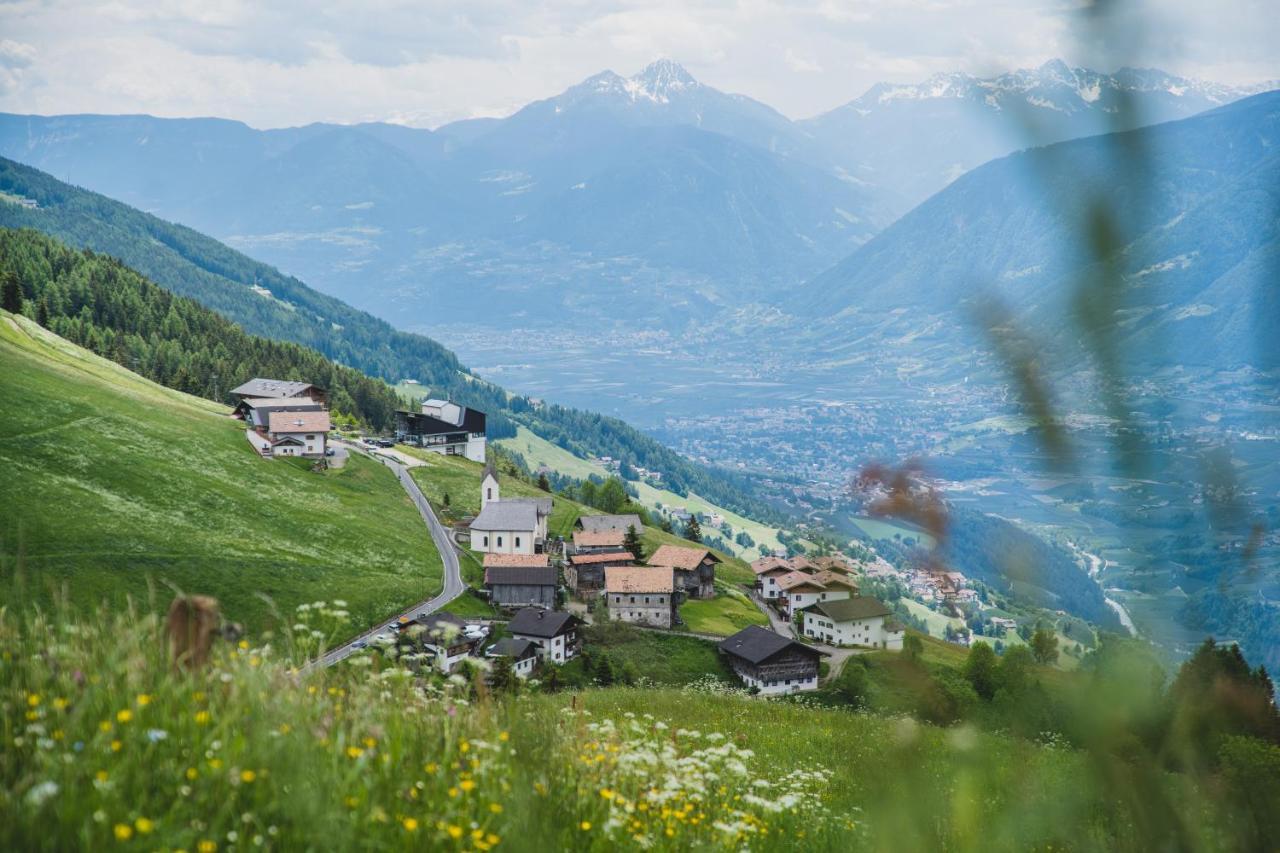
pixel 659 79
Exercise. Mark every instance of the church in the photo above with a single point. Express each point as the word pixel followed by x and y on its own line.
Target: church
pixel 511 525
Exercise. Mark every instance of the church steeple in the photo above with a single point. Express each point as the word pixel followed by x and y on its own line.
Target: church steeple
pixel 489 488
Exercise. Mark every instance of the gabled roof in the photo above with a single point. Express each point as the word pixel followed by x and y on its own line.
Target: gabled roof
pixel 599 538
pixel 802 563
pixel 632 579
pixel 828 578
pixel 536 622
pixel 596 523
pixel 756 645
pixel 680 557
pixel 507 515
pixel 765 565
pixel 521 575
pixel 439 623
pixel 543 505
pixel 792 580
pixel 510 647
pixel 602 557
pixel 516 561
pixel 848 609
pixel 259 387
pixel 286 422
pixel 296 404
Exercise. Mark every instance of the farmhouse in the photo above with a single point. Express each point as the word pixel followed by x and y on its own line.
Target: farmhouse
pixel 767 571
pixel 586 542
pixel 584 573
pixel 858 621
pixel 522 653
pixel 555 634
pixel 519 580
pixel 771 663
pixel 796 591
pixel 442 635
pixel 695 569
pixel 512 526
pixel 598 523
pixel 278 388
pixel 641 595
pixel 256 411
pixel 444 427
pixel 834 581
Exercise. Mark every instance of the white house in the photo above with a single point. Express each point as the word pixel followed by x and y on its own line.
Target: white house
pixel 295 433
pixel 797 590
pixel 858 621
pixel 553 632
pixel 442 635
pixel 444 427
pixel 523 655
pixel 511 526
pixel 767 571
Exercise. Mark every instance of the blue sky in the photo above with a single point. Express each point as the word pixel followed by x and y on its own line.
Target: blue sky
pixel 273 64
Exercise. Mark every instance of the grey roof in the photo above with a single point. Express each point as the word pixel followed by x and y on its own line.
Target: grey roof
pixel 489 470
pixel 755 644
pixel 598 523
pixel 543 504
pixel 507 515
pixel 510 647
pixel 259 387
pixel 439 620
pixel 848 609
pixel 536 622
pixel 522 575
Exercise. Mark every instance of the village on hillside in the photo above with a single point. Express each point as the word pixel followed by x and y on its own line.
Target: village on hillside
pixel 541 589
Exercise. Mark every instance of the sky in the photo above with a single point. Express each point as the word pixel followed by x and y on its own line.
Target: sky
pixel 424 63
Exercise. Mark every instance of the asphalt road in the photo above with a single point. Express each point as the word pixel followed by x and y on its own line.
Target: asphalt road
pixel 453 585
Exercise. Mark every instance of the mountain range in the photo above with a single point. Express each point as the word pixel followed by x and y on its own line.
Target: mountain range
pixel 653 197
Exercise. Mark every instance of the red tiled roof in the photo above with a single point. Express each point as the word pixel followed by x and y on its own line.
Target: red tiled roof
pixel 599 539
pixel 287 422
pixel 606 557
pixel 679 557
pixel 639 579
pixel 523 561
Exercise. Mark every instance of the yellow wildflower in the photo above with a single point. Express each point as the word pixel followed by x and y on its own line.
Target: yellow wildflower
pixel 354 752
pixel 370 742
pixel 105 725
pixel 410 824
pixel 202 718
pixel 192 773
pixel 124 716
pixel 60 703
pixel 496 808
pixel 115 745
pixel 207 846
pixel 464 746
pixel 606 793
pixel 585 825
pixel 504 736
pixel 101 775
pixel 244 644
pixel 143 700
pixel 33 699
pixel 285 728
pixel 144 826
pixel 455 831
pixel 123 831
pixel 467 785
pixel 215 763
pixel 247 776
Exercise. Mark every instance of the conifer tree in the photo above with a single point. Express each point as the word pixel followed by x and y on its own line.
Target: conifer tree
pixel 631 541
pixel 693 530
pixel 11 293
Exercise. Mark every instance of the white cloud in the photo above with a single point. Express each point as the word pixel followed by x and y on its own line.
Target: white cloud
pixel 274 63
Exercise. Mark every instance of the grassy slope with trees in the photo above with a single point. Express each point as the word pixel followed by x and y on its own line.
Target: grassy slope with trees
pixel 113 485
pixel 194 265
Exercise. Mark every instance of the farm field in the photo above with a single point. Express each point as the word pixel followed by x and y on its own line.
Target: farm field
pixel 116 487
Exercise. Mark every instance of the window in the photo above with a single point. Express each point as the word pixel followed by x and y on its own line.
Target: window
pixel 486 541
pixel 633 600
pixel 488 494
pixel 499 541
pixel 517 541
pixel 311 438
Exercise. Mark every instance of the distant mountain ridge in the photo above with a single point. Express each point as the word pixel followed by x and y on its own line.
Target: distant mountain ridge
pixel 651 196
pixel 1197 231
pixel 913 139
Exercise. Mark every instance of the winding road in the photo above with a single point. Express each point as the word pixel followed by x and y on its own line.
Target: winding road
pixel 453 585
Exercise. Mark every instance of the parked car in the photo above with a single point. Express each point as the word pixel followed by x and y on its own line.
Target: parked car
pixel 386 443
pixel 330 452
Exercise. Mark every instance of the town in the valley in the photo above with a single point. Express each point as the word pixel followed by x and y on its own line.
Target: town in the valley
pixel 543 588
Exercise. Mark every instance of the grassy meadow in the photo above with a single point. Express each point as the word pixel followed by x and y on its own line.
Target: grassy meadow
pixel 107 748
pixel 113 486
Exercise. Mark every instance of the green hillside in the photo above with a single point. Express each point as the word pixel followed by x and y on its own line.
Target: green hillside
pixel 116 486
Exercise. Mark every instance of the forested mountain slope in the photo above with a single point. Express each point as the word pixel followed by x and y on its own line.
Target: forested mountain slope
pixel 267 303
